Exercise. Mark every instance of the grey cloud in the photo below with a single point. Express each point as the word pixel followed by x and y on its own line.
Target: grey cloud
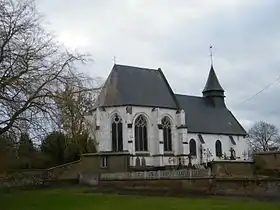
pixel 175 37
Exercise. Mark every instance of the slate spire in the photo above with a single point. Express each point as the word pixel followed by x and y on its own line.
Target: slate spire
pixel 212 86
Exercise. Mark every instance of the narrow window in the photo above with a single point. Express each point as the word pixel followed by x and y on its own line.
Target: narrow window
pixel 141 135
pixel 103 162
pixel 143 161
pixel 218 147
pixel 117 134
pixel 192 147
pixel 167 137
pixel 137 162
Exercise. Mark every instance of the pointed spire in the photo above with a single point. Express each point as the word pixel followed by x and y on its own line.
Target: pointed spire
pixel 212 86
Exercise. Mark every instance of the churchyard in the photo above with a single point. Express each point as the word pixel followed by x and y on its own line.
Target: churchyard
pixel 84 198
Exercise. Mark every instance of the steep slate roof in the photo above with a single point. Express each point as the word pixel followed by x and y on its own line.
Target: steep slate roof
pixel 212 83
pixel 128 85
pixel 202 118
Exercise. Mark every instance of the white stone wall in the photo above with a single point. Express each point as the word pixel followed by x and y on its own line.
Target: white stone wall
pixel 155 136
pixel 153 116
pixel 209 145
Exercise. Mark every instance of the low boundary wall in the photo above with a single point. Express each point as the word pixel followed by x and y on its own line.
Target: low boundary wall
pixel 252 188
pixel 182 182
pixel 152 175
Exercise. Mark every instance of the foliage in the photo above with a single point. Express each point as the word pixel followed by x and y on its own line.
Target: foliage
pixel 73 103
pixel 62 149
pixel 33 68
pixel 7 151
pixel 41 91
pixel 54 146
pixel 25 151
pixel 7 143
pixel 25 147
pixel 264 137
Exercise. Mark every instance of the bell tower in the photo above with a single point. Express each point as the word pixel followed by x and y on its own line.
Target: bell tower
pixel 213 91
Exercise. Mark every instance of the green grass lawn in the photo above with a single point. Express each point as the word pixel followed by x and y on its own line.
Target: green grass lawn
pixel 78 199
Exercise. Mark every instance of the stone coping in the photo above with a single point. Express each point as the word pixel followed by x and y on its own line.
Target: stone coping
pixel 137 154
pixel 267 153
pixel 232 161
pixel 63 165
pixel 105 154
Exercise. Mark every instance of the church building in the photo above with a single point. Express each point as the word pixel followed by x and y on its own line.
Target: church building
pixel 138 113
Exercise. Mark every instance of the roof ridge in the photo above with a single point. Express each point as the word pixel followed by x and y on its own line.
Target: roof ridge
pixel 135 67
pixel 179 94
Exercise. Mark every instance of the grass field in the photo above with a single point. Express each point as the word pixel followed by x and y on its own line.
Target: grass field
pixel 79 199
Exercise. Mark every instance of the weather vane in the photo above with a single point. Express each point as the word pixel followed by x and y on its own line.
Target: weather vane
pixel 211 54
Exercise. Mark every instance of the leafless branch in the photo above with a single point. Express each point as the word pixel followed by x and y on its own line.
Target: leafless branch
pixel 36 74
pixel 263 136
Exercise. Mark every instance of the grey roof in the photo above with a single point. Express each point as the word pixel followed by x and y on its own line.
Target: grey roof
pixel 128 85
pixel 204 118
pixel 212 83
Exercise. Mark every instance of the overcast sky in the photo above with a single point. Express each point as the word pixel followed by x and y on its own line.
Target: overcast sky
pixel 175 36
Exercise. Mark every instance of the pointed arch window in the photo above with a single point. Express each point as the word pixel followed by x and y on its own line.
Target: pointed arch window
pixel 167 137
pixel 218 147
pixel 141 135
pixel 192 147
pixel 117 133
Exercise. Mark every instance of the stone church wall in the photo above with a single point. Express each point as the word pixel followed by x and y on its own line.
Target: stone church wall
pixel 209 154
pixel 153 116
pixel 156 155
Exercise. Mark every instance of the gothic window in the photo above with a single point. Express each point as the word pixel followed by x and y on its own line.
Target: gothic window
pixel 218 147
pixel 192 147
pixel 167 138
pixel 117 133
pixel 140 132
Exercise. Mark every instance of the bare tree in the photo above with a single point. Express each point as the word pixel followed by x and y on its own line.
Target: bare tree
pixel 33 68
pixel 263 136
pixel 74 102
